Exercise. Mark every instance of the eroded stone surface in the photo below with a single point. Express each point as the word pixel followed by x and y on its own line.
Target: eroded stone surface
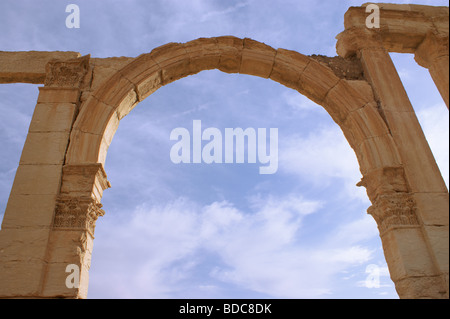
pixel 55 200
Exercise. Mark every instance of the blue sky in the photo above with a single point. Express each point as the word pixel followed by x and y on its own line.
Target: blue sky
pixel 219 230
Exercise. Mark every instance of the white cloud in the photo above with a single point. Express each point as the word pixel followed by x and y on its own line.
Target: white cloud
pixel 159 250
pixel 215 14
pixel 298 102
pixel 321 157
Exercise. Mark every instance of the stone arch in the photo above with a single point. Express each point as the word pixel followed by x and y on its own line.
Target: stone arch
pixel 55 199
pixel 350 103
pixel 69 180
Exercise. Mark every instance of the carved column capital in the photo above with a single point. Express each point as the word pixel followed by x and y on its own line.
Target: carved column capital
pixel 394 210
pixel 433 47
pixel 393 204
pixel 68 73
pixel 72 213
pixel 350 41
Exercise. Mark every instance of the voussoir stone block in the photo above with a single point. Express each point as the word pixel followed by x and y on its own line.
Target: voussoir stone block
pixel 316 81
pixel 173 59
pixel 257 59
pixel 204 54
pixel 230 53
pixel 288 67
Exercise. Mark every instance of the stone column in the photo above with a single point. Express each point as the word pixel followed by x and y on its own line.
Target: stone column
pixel 433 55
pixel 29 215
pixel 72 234
pixel 412 265
pixel 424 193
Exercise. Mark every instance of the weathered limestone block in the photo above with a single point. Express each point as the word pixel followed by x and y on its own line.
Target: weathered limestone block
pixel 288 67
pixel 92 147
pixel 173 60
pixel 87 149
pixel 53 117
pixel 378 153
pixel 29 211
pixel 365 123
pixel 58 95
pixel 257 58
pixel 23 244
pixel 103 68
pixel 230 53
pixel 56 286
pixel 203 53
pixel 427 287
pixel 99 112
pixel 126 97
pixel 343 98
pixel 21 279
pixel 144 73
pixel 84 181
pixel 22 252
pixel 29 67
pixel 402 27
pixel 40 179
pixel 412 270
pixel 432 203
pixel 316 81
pixel 438 238
pixel 99 71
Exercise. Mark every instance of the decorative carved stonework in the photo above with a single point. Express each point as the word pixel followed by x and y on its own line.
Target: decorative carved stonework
pixel 69 73
pixel 77 214
pixel 393 210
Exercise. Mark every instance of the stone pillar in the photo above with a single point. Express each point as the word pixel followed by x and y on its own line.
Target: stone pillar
pixel 29 215
pixel 424 193
pixel 412 265
pixel 433 55
pixel 72 234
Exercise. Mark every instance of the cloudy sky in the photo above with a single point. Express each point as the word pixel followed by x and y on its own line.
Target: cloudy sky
pixel 219 230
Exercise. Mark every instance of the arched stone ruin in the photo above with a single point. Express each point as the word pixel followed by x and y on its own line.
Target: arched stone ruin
pixel 56 196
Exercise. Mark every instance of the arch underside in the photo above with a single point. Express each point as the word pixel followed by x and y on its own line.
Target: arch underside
pixel 350 103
